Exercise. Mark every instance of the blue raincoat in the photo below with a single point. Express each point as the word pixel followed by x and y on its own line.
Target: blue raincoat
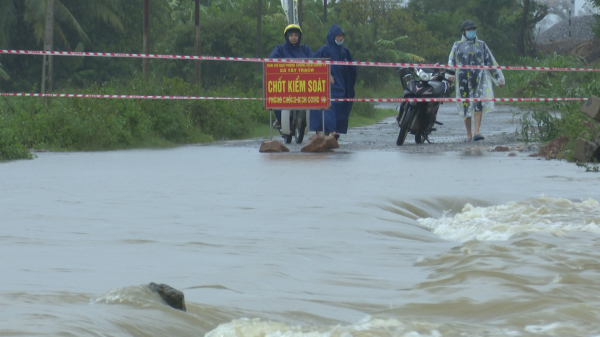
pixel 336 119
pixel 290 51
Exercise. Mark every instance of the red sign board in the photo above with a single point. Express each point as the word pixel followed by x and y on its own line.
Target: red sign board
pixel 296 86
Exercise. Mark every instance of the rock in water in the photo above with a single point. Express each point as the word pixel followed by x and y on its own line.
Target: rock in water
pixel 172 296
pixel 331 143
pixel 270 146
pixel 314 144
pixel 586 151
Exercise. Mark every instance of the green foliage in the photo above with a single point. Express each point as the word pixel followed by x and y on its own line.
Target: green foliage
pixel 3 74
pixel 545 121
pixel 364 109
pixel 10 148
pixel 497 21
pixel 595 4
pixel 538 125
pixel 98 124
pixel 34 15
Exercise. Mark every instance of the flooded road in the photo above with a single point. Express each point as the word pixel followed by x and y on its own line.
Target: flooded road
pixel 358 242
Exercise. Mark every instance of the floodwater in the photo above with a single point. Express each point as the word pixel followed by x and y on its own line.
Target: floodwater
pixel 364 243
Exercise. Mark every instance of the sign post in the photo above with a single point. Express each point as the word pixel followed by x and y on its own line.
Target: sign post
pixel 296 86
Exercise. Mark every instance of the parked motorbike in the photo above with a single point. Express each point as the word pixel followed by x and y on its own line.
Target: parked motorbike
pixel 294 124
pixel 419 118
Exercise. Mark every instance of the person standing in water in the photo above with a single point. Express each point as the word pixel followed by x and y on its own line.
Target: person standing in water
pixel 474 83
pixel 343 79
pixel 291 49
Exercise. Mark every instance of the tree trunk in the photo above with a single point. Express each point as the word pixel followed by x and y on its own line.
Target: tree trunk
pixel 300 13
pixel 48 46
pixel 146 61
pixel 523 28
pixel 197 64
pixel 324 11
pixel 258 32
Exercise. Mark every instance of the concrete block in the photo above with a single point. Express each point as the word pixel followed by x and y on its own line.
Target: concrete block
pixel 585 150
pixel 592 108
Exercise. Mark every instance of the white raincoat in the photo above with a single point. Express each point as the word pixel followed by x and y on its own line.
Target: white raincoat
pixel 474 83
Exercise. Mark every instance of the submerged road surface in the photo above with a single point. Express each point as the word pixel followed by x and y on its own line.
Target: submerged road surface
pixel 499 129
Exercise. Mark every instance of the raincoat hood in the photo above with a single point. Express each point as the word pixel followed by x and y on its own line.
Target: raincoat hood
pixel 333 31
pixel 334 49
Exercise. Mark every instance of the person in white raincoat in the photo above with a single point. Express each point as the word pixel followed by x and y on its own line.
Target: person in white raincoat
pixel 474 83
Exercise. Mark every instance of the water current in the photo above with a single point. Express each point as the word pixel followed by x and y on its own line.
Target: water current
pixel 345 244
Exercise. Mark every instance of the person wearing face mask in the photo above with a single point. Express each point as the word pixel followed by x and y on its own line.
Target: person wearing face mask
pixel 342 81
pixel 291 49
pixel 474 83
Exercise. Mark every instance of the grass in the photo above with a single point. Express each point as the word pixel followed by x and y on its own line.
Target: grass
pixel 356 121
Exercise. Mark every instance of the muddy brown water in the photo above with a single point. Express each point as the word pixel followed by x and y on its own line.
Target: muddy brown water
pixel 442 239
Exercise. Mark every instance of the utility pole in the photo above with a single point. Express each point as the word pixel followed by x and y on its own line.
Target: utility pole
pixel 197 64
pixel 48 46
pixel 146 61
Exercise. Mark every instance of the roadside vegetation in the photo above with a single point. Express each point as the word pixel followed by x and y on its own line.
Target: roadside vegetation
pixel 376 30
pixel 559 123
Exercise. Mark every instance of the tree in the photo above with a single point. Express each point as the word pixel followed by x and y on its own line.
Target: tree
pixel 498 22
pixel 197 64
pixel 146 61
pixel 528 21
pixel 258 26
pixel 3 73
pixel 51 19
pixel 34 14
pixel 48 46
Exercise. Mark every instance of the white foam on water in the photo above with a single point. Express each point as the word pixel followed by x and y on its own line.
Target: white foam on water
pixel 368 327
pixel 545 328
pixel 139 296
pixel 497 223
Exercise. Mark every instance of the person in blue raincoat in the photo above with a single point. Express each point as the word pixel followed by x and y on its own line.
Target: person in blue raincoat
pixel 343 79
pixel 291 49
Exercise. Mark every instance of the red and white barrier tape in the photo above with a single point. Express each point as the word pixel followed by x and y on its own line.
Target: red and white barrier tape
pixel 398 100
pixel 254 59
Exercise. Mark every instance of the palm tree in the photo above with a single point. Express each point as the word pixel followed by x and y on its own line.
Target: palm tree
pixel 7 18
pixel 35 12
pixel 3 73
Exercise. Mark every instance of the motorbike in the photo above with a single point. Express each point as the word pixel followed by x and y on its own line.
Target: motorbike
pixel 294 124
pixel 420 118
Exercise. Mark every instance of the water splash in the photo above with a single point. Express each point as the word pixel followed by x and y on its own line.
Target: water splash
pixel 498 223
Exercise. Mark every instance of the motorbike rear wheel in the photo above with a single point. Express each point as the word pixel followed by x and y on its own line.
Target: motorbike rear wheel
pixel 288 138
pixel 405 123
pixel 419 138
pixel 299 125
